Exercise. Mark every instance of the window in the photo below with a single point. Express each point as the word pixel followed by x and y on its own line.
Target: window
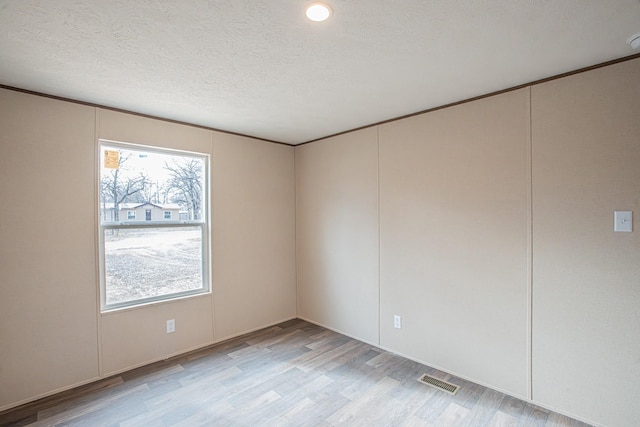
pixel 160 256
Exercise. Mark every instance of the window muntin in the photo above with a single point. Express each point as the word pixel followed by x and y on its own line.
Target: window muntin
pixel 150 256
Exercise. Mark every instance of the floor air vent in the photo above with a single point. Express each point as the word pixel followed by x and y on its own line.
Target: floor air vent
pixel 439 384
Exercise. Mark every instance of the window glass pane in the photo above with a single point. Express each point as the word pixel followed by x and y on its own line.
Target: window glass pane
pixel 154 224
pixel 145 263
pixel 138 185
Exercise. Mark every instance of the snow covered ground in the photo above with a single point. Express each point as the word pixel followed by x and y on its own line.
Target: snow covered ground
pixel 142 263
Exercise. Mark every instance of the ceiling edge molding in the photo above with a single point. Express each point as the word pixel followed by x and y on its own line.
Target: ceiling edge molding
pixel 147 116
pixel 464 101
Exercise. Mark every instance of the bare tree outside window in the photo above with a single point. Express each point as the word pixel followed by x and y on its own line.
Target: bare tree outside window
pixel 185 185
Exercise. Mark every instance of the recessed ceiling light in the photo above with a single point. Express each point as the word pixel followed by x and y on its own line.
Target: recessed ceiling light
pixel 318 11
pixel 634 41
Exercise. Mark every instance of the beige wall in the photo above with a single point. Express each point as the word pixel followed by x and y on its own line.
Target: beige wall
pixel 137 336
pixel 51 332
pixel 48 292
pixel 337 233
pixel 453 239
pixel 253 234
pixel 496 239
pixel 586 300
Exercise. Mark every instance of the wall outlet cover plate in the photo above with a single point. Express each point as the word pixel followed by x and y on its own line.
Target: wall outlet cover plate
pixel 623 221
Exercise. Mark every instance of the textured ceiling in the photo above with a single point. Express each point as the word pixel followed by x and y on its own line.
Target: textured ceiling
pixel 259 68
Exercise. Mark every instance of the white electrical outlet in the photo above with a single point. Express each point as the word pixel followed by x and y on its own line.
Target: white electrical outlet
pixel 397 322
pixel 171 326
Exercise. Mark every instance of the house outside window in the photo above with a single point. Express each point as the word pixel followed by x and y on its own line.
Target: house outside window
pixel 143 257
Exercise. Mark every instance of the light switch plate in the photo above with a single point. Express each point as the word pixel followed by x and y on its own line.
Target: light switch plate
pixel 623 221
pixel 397 322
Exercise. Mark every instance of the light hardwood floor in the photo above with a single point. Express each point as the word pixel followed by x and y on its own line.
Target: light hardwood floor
pixel 292 374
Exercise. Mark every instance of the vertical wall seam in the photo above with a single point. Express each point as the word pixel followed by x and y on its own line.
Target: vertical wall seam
pixel 96 227
pixel 212 160
pixel 529 246
pixel 378 220
pixel 295 230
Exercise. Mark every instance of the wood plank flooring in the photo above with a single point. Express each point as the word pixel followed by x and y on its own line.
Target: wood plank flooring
pixel 292 374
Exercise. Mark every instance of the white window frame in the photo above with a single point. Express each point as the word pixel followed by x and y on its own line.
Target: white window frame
pixel 131 215
pixel 203 223
pixel 164 215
